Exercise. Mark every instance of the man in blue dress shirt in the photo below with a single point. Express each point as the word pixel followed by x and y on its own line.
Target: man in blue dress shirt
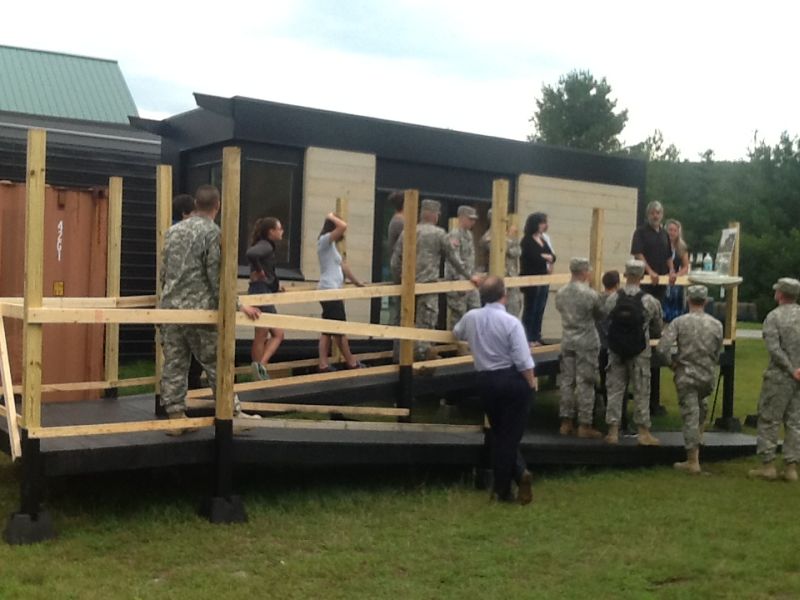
pixel 506 384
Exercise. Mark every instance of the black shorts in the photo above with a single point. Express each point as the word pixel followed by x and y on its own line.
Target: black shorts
pixel 333 310
pixel 261 287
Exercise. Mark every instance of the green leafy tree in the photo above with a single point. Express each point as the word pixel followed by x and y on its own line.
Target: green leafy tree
pixel 653 148
pixel 578 113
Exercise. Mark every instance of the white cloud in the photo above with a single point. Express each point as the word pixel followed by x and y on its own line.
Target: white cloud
pixel 706 74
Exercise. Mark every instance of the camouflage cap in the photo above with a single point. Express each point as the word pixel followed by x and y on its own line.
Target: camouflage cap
pixel 467 211
pixel 578 264
pixel 697 292
pixel 788 286
pixel 431 205
pixel 634 268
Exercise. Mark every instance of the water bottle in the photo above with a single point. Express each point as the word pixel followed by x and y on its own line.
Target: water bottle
pixel 708 262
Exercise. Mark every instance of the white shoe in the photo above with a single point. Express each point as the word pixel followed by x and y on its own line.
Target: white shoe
pixel 243 415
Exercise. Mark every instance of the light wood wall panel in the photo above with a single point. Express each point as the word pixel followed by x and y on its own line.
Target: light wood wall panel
pixel 569 205
pixel 330 174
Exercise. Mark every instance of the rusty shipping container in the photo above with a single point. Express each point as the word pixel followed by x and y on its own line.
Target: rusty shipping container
pixel 75 250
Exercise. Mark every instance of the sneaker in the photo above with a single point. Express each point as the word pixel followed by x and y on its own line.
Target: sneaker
pixel 259 371
pixel 328 369
pixel 243 415
pixel 358 365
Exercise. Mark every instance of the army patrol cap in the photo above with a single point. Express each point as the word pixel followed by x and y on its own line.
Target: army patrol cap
pixel 467 211
pixel 634 268
pixel 579 264
pixel 697 292
pixel 431 205
pixel 788 286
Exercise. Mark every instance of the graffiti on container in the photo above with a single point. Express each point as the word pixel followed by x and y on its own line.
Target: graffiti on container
pixel 60 240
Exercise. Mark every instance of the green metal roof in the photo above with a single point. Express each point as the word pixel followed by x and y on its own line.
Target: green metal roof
pixel 38 82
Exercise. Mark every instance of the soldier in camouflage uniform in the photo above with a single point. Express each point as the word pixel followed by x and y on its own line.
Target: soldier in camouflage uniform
pixel 636 370
pixel 780 390
pixel 462 241
pixel 691 344
pixel 190 280
pixel 513 251
pixel 432 246
pixel 580 308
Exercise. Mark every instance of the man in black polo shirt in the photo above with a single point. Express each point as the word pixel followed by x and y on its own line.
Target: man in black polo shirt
pixel 650 244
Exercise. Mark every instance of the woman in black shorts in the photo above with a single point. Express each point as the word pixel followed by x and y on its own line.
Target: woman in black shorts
pixel 267 232
pixel 332 273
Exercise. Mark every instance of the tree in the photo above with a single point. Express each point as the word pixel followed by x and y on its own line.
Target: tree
pixel 578 113
pixel 652 148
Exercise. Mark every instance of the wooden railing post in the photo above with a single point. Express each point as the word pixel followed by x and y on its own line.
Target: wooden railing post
pixel 163 223
pixel 34 279
pixel 499 228
pixel 408 297
pixel 596 247
pixel 113 268
pixel 728 421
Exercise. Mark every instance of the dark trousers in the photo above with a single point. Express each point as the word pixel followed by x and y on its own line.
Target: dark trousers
pixel 533 313
pixel 195 371
pixel 506 399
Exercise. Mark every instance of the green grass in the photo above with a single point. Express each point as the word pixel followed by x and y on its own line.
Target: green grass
pixel 642 533
pixel 605 534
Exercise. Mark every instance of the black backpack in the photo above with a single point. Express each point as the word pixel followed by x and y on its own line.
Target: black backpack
pixel 626 336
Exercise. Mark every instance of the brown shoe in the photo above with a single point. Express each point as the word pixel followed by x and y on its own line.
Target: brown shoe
pixel 567 428
pixel 765 471
pixel 790 472
pixel 588 432
pixel 692 463
pixel 525 491
pixel 182 431
pixel 646 438
pixel 613 435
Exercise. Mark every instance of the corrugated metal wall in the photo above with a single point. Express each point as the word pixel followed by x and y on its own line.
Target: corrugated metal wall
pixel 89 162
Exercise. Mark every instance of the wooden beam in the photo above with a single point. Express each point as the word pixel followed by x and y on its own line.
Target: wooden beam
pixel 94 385
pixel 732 299
pixel 163 223
pixel 34 278
pixel 322 409
pixel 499 228
pixel 360 426
pixel 8 394
pixel 299 380
pixel 115 428
pixel 150 316
pixel 596 238
pixel 136 301
pixel 113 266
pixel 342 212
pixel 409 272
pixel 12 311
pixel 314 324
pixel 226 326
pixel 375 290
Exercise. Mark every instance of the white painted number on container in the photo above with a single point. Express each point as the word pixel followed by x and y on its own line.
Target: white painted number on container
pixel 60 241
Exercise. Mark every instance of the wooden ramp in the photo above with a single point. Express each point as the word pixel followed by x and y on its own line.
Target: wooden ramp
pixel 280 442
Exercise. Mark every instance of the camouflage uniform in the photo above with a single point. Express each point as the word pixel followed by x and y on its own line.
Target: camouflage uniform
pixel 634 371
pixel 698 337
pixel 780 393
pixel 432 246
pixel 513 252
pixel 189 280
pixel 458 303
pixel 580 307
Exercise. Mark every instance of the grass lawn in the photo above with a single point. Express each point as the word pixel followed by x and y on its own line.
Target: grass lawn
pixel 645 533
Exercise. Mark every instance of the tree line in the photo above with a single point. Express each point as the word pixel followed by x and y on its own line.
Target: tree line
pixel 762 192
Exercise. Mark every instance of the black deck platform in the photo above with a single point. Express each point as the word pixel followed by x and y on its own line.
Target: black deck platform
pixel 330 447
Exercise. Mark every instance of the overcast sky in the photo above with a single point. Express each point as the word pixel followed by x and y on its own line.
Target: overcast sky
pixel 707 74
